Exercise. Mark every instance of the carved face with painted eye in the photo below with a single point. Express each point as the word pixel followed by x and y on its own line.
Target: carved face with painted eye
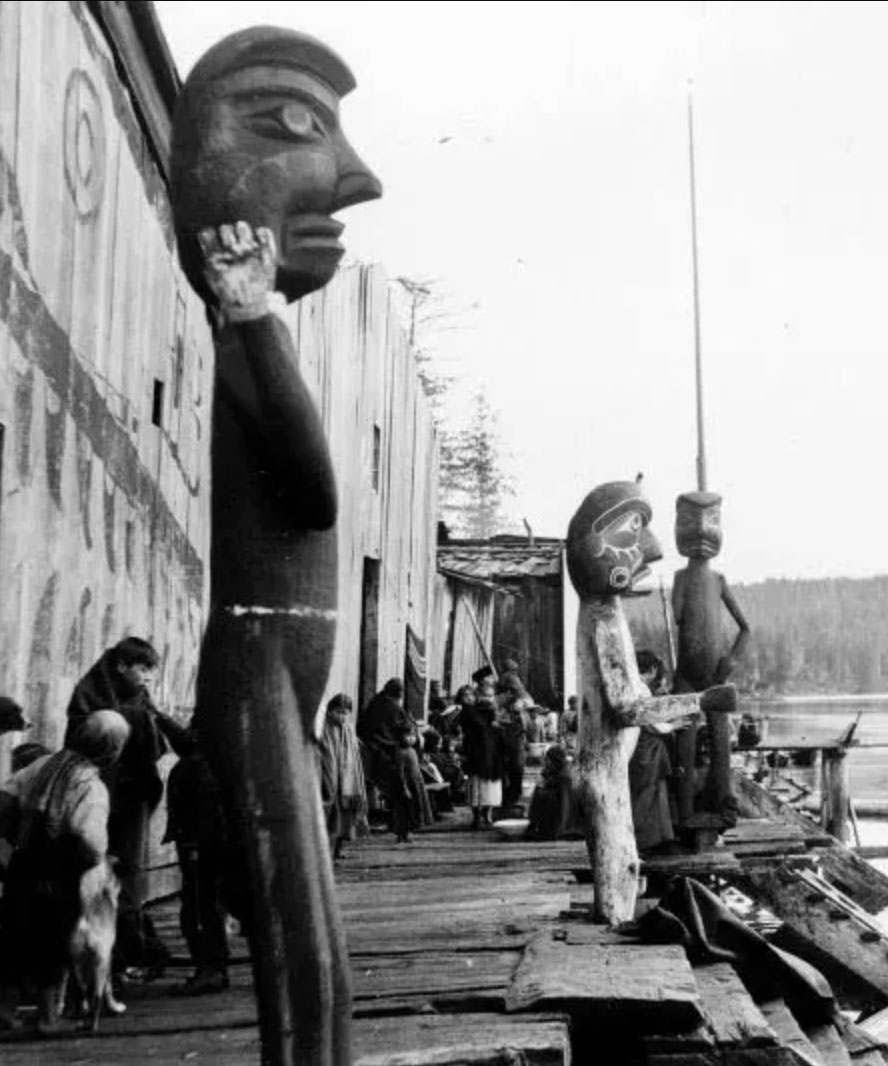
pixel 257 139
pixel 609 544
pixel 698 531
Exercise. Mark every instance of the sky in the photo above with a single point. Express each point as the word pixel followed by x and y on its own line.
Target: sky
pixel 536 167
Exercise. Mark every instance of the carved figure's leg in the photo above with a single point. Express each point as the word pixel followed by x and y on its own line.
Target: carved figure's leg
pixel 259 741
pixel 686 763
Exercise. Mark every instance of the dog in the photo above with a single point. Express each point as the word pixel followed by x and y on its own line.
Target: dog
pixel 92 943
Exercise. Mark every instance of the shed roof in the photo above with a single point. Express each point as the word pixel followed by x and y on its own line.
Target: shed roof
pixel 486 561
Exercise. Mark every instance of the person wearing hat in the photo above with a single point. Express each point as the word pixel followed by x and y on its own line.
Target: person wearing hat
pixel 483 751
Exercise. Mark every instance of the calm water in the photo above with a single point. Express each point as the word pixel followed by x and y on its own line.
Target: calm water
pixel 824 718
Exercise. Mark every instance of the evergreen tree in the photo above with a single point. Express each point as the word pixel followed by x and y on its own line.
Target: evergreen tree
pixel 473 485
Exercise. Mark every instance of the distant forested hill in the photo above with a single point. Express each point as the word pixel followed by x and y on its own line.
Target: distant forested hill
pixel 807 636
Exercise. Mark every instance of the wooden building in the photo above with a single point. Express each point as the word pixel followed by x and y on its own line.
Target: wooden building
pixel 106 371
pixel 502 598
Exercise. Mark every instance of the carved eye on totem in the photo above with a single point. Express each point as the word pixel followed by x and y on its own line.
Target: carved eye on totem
pixel 290 121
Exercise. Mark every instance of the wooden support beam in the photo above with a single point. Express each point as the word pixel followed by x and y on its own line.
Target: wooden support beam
pixel 835 794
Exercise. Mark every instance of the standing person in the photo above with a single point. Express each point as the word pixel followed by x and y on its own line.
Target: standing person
pixel 483 751
pixel 55 812
pixel 343 792
pixel 650 769
pixel 410 803
pixel 379 727
pixel 515 728
pixel 120 681
pixel 196 824
pixel 510 682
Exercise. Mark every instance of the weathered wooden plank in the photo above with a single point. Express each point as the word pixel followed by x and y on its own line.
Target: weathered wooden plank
pixel 790 1034
pixel 829 1045
pixel 866 885
pixel 734 1018
pixel 500 930
pixel 718 861
pixel 876 1026
pixel 432 973
pixel 463 1040
pixel 357 896
pixel 819 914
pixel 428 1040
pixel 857 878
pixel 650 986
pixel 750 830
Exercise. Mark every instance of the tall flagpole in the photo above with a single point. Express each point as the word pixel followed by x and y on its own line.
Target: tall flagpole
pixel 698 360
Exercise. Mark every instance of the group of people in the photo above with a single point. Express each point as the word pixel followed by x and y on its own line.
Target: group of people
pixel 62 813
pixel 65 813
pixel 472 749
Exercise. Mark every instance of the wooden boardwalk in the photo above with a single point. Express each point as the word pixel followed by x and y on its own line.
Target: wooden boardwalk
pixel 467 949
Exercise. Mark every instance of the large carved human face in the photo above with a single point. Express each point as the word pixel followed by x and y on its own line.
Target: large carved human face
pixel 609 544
pixel 257 139
pixel 698 531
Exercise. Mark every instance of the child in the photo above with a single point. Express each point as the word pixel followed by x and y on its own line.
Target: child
pixel 343 792
pixel 410 804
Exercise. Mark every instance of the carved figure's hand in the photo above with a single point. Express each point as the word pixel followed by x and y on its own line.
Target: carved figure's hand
pixel 240 267
pixel 719 698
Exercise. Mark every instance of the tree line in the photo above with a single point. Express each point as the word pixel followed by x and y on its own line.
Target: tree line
pixel 808 636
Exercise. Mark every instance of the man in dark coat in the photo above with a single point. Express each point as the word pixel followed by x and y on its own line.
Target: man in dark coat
pixel 380 728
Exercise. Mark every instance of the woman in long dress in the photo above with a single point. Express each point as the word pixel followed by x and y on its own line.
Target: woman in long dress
pixel 483 750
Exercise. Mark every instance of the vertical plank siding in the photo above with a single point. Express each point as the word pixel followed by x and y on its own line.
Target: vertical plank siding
pixel 104 519
pixel 104 516
pixel 354 326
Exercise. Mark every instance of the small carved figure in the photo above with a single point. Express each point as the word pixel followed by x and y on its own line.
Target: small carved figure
pixel 699 594
pixel 609 547
pixel 260 166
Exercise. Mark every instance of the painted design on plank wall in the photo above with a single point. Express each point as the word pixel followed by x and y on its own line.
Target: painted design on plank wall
pixel 84 144
pixel 39 663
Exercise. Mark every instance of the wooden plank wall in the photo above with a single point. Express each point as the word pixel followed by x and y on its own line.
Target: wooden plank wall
pixel 104 517
pixel 353 350
pixel 455 652
pixel 529 628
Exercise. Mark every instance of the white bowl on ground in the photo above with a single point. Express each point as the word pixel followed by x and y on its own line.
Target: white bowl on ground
pixel 511 828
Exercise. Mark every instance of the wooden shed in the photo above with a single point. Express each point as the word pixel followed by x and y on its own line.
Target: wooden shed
pixel 106 376
pixel 502 598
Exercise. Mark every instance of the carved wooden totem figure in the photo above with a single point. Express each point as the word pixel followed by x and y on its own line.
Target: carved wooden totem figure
pixel 609 547
pixel 260 166
pixel 699 595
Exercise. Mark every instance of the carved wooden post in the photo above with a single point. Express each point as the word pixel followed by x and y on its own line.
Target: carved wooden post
pixel 260 165
pixel 699 595
pixel 835 793
pixel 608 548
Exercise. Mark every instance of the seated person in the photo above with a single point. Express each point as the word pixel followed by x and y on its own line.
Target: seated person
pixel 436 787
pixel 450 766
pixel 554 808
